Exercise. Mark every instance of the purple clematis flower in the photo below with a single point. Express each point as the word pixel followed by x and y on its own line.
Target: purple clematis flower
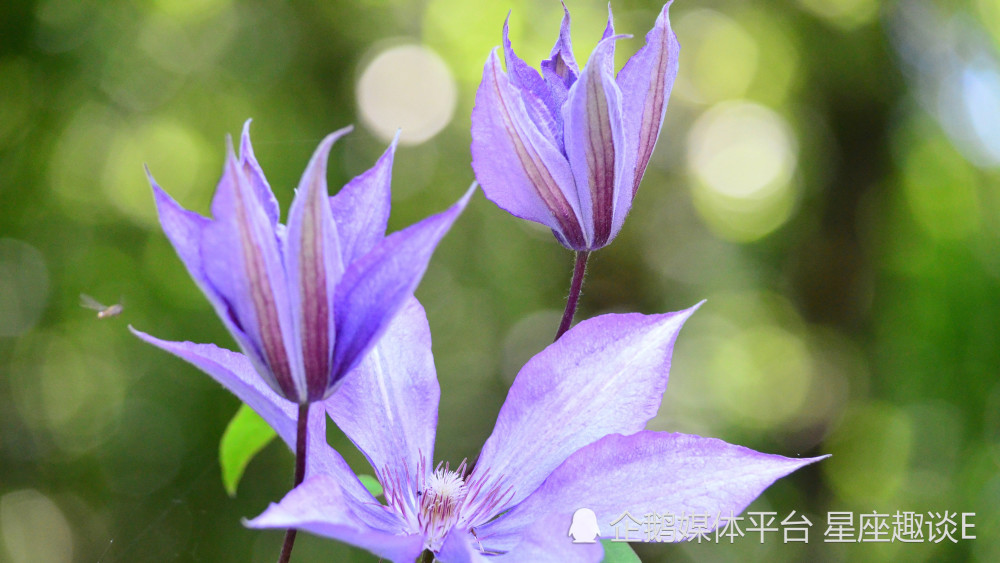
pixel 566 148
pixel 305 302
pixel 570 435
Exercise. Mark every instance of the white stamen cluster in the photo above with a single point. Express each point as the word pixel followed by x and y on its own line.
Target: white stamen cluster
pixel 440 499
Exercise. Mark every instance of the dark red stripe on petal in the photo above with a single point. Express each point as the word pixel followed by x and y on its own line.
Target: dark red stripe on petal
pixel 600 158
pixel 545 185
pixel 315 318
pixel 652 111
pixel 261 292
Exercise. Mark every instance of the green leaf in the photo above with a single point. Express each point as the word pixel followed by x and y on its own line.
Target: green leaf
pixel 619 552
pixel 245 437
pixel 372 484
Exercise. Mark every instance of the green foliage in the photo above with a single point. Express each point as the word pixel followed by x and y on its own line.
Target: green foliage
pixel 245 436
pixel 619 552
pixel 372 484
pixel 871 308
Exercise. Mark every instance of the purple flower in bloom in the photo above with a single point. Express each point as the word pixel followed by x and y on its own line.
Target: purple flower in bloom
pixel 570 435
pixel 566 148
pixel 305 302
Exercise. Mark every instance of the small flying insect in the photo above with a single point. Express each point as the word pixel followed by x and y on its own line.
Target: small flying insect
pixel 103 312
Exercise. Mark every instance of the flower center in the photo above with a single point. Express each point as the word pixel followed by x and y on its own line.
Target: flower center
pixel 440 499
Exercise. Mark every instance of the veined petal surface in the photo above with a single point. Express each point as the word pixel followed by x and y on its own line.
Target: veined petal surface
pixel 313 267
pixel 645 473
pixel 605 375
pixel 595 142
pixel 521 168
pixel 375 287
pixel 361 208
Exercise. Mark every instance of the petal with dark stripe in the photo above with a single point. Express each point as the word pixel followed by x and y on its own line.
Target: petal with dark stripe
pixel 313 267
pixel 376 287
pixel 595 142
pixel 646 82
pixel 520 168
pixel 185 230
pixel 243 262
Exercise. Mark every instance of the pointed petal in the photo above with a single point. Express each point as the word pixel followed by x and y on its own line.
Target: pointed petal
pixel 388 405
pixel 546 541
pixel 595 142
pixel 256 177
pixel 361 208
pixel 521 75
pixel 646 82
pixel 609 29
pixel 521 169
pixel 319 506
pixel 560 69
pixel 185 230
pixel 546 114
pixel 313 265
pixel 375 287
pixel 236 373
pixel 242 261
pixel 605 375
pixel 650 473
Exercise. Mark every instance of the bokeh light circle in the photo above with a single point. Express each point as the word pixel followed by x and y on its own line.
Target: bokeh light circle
pixel 743 158
pixel 407 88
pixel 24 286
pixel 34 529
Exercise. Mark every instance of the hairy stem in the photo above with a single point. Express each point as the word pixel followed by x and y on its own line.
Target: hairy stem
pixel 574 292
pixel 300 473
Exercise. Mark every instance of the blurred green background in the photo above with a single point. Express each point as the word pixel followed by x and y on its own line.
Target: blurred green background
pixel 826 178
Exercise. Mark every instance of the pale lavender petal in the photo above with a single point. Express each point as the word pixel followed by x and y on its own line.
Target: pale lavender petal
pixel 521 169
pixel 319 506
pixel 460 547
pixel 649 473
pixel 646 82
pixel 256 177
pixel 605 375
pixel 547 541
pixel 185 230
pixel 361 208
pixel 235 372
pixel 546 115
pixel 596 144
pixel 375 287
pixel 242 261
pixel 313 267
pixel 388 405
pixel 609 29
pixel 560 69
